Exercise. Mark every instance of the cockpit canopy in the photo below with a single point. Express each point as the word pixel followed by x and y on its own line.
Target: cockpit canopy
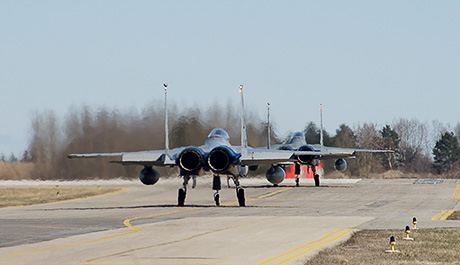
pixel 297 136
pixel 219 133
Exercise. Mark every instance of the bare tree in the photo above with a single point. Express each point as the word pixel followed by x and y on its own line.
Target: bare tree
pixel 89 130
pixel 413 146
pixel 368 137
pixel 44 145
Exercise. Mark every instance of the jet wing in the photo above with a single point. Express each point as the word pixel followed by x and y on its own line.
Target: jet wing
pixel 267 156
pixel 145 158
pixel 94 155
pixel 338 152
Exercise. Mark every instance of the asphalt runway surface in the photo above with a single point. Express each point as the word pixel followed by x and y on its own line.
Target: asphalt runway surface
pixel 280 225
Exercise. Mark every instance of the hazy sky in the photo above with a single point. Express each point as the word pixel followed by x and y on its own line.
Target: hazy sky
pixel 365 61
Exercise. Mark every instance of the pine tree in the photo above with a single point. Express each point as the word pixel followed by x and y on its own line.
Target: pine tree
pixel 344 137
pixel 312 134
pixel 446 153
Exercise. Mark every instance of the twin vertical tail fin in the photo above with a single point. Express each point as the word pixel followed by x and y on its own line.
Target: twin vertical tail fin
pixel 268 125
pixel 166 120
pixel 167 159
pixel 244 139
pixel 321 140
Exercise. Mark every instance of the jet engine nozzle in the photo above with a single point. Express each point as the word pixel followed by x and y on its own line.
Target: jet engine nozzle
pixel 307 159
pixel 149 175
pixel 190 160
pixel 340 164
pixel 285 147
pixel 221 158
pixel 275 174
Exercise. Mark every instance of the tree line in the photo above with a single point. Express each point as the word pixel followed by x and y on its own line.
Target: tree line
pixel 420 147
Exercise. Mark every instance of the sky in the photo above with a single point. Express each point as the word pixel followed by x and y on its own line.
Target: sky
pixel 365 61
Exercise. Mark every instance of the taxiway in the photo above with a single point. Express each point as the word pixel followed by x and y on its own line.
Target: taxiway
pixel 280 225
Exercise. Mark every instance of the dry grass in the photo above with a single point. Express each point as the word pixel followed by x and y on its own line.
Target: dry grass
pixel 430 246
pixel 15 171
pixel 13 196
pixel 454 216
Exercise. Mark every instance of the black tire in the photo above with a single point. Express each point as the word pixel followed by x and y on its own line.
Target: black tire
pixel 317 180
pixel 181 197
pixel 241 199
pixel 216 184
pixel 217 199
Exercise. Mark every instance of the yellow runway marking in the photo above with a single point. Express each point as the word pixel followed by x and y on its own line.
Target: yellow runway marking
pixel 456 194
pixel 184 239
pixel 438 215
pixel 447 215
pixel 442 215
pixel 274 193
pixel 316 244
pixel 260 197
pixel 127 223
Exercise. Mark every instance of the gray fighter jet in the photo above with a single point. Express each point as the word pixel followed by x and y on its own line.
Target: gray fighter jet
pixel 217 155
pixel 276 173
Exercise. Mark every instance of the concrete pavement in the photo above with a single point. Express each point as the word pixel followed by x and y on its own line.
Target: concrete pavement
pixel 282 225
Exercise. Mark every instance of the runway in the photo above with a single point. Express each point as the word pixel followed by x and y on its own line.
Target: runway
pixel 280 225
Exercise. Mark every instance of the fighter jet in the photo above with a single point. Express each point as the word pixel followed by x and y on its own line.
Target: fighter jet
pixel 217 156
pixel 277 172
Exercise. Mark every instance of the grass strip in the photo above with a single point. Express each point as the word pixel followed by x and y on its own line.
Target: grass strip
pixel 430 246
pixel 15 196
pixel 454 216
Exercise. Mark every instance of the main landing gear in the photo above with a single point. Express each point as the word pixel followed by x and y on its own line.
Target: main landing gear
pixel 239 192
pixel 240 196
pixel 181 197
pixel 216 185
pixel 183 191
pixel 297 173
pixel 315 176
pixel 316 180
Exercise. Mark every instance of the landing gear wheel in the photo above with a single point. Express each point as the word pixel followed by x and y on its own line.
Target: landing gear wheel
pixel 297 182
pixel 194 182
pixel 217 199
pixel 216 184
pixel 181 197
pixel 240 195
pixel 317 180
